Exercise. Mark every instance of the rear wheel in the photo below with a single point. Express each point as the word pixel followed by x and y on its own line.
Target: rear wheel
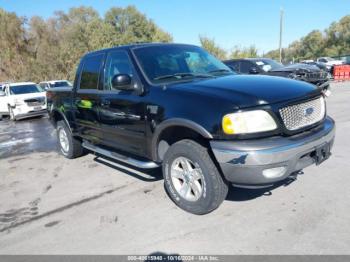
pixel 191 178
pixel 70 147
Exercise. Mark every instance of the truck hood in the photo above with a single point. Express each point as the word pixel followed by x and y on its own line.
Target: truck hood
pixel 297 67
pixel 248 91
pixel 27 96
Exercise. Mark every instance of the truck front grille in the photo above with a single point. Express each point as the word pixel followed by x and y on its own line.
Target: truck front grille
pixel 35 101
pixel 304 114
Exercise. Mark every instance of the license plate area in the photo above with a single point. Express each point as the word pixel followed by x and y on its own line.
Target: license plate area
pixel 322 153
pixel 36 108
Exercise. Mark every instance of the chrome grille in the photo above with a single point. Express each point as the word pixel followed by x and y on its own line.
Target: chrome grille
pixel 40 101
pixel 303 114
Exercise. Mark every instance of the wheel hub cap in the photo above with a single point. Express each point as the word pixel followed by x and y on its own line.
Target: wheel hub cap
pixel 187 178
pixel 63 140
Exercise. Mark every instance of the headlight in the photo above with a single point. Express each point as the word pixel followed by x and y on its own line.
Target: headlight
pixel 248 122
pixel 18 102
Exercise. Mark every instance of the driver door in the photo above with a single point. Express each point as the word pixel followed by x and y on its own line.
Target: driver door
pixel 122 112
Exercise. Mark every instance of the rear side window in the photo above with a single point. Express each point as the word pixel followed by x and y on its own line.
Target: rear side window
pixel 91 71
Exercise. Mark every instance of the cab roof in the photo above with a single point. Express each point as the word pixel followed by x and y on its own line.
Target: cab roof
pixel 21 84
pixel 135 45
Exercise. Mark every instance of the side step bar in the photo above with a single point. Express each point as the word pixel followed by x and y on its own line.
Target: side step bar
pixel 119 157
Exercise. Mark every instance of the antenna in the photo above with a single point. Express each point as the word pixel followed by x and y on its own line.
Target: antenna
pixel 281 31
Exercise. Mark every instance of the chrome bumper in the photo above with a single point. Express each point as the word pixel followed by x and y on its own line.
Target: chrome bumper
pixel 248 162
pixel 31 114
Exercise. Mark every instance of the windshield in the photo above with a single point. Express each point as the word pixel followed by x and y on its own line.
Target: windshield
pixel 24 89
pixel 268 64
pixel 60 84
pixel 178 62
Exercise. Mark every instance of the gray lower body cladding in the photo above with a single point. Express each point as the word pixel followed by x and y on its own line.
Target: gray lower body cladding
pixel 269 160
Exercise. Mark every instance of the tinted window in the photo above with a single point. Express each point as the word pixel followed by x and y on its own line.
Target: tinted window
pixel 24 89
pixel 90 72
pixel 170 62
pixel 61 84
pixel 118 62
pixel 245 67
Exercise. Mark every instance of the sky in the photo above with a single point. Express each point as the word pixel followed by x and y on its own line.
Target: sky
pixel 229 22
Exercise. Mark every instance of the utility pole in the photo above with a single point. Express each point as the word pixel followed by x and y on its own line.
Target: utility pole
pixel 281 30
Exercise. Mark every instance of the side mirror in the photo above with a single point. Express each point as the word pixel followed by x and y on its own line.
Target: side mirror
pixel 2 93
pixel 253 71
pixel 122 82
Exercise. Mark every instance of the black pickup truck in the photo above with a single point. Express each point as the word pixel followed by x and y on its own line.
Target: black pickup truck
pixel 176 106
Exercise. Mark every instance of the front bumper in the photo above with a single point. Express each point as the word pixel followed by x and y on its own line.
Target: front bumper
pixel 244 163
pixel 25 111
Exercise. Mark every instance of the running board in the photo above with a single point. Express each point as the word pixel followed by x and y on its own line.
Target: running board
pixel 119 157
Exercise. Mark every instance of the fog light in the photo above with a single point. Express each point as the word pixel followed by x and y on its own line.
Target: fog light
pixel 274 172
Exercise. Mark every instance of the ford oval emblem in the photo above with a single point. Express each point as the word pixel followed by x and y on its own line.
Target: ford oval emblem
pixel 308 111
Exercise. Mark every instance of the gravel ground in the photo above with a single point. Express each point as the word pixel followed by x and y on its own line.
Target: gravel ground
pixel 52 205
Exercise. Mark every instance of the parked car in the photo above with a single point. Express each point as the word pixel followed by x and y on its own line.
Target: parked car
pixel 54 83
pixel 329 61
pixel 266 66
pixel 177 106
pixel 22 100
pixel 321 66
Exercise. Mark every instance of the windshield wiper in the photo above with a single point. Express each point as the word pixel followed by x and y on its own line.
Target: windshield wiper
pixel 220 71
pixel 182 75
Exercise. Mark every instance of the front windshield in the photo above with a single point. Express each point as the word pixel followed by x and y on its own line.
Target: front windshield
pixel 178 62
pixel 330 59
pixel 24 89
pixel 268 64
pixel 60 84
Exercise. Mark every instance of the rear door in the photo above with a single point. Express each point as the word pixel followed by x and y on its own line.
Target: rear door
pixel 86 100
pixel 122 113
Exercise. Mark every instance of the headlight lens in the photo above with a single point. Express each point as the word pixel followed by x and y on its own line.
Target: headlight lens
pixel 248 122
pixel 18 102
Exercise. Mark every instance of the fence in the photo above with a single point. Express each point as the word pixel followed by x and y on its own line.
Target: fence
pixel 341 72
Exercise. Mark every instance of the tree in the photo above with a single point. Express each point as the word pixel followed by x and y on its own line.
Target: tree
pixel 334 41
pixel 239 52
pixel 210 45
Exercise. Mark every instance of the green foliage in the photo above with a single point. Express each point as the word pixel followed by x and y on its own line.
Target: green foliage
pixel 37 49
pixel 210 45
pixel 334 41
pixel 245 52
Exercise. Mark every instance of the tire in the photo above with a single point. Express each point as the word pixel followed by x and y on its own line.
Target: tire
pixel 69 146
pixel 12 115
pixel 204 194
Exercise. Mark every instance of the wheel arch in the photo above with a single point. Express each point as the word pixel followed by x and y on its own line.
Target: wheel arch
pixel 173 130
pixel 56 116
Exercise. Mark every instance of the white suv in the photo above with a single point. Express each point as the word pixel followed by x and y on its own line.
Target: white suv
pixel 21 100
pixel 55 83
pixel 329 61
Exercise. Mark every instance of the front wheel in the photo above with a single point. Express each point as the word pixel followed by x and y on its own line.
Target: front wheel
pixel 191 178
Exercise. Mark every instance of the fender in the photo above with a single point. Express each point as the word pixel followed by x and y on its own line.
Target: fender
pixel 179 122
pixel 54 111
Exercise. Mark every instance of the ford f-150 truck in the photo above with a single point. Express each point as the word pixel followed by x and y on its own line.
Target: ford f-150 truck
pixel 178 107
